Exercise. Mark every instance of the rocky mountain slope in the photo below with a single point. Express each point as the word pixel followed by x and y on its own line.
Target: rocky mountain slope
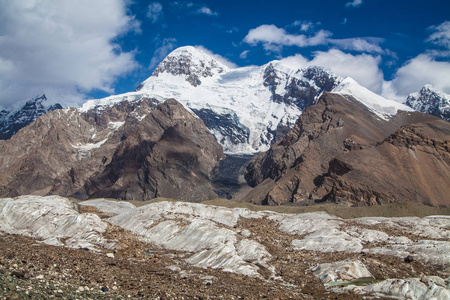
pixel 128 147
pixel 132 150
pixel 248 108
pixel 341 152
pixel 430 101
pixel 198 251
pixel 15 118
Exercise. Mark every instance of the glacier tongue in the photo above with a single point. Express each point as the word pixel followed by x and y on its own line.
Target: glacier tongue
pixel 405 257
pixel 54 220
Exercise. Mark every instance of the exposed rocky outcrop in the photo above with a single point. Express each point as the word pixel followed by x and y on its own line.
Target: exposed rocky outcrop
pixel 170 153
pixel 340 152
pixel 131 150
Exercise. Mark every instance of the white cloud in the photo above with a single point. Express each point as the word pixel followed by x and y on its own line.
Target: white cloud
pixel 304 25
pixel 274 38
pixel 193 8
pixel 364 68
pixel 207 11
pixel 155 12
pixel 426 68
pixel 431 67
pixel 296 62
pixel 52 45
pixel 441 36
pixel 419 71
pixel 161 52
pixel 358 44
pixel 244 54
pixel 389 91
pixel 218 57
pixel 354 3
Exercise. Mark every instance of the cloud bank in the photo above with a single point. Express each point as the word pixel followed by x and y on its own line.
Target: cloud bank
pixel 421 70
pixel 431 67
pixel 51 47
pixel 274 39
pixel 364 68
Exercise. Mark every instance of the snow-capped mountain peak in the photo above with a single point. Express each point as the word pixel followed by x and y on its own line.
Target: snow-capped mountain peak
pixel 247 108
pixel 382 107
pixel 191 63
pixel 22 114
pixel 430 101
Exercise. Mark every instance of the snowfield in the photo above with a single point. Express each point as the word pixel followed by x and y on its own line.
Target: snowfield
pixel 254 99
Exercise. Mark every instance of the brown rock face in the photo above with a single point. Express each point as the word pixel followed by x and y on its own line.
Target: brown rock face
pixel 169 154
pixel 130 151
pixel 340 152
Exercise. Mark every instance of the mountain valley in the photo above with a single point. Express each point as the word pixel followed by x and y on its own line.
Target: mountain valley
pixel 121 146
pixel 209 182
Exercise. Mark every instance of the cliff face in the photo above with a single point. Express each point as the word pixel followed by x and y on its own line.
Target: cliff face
pixel 339 151
pixel 124 147
pixel 169 154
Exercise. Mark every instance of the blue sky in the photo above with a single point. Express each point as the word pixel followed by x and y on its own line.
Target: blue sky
pixel 75 50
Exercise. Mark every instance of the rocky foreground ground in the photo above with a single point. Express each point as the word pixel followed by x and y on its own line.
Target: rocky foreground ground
pixel 102 249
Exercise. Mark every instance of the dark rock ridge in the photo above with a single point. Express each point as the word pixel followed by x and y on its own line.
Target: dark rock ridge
pixel 431 102
pixel 300 92
pixel 340 152
pixel 12 121
pixel 131 150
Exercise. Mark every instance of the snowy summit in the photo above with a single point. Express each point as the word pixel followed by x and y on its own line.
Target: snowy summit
pixel 244 108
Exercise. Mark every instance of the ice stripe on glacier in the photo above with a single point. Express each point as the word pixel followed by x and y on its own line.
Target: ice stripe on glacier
pixel 54 220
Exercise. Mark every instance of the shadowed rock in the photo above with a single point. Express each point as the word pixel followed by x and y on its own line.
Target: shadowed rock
pixel 340 152
pixel 129 151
